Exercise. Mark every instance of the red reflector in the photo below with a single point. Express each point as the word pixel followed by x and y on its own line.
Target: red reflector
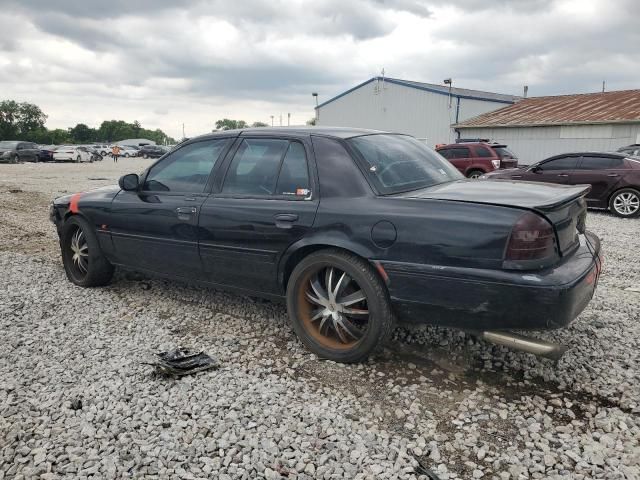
pixel 532 238
pixel 73 203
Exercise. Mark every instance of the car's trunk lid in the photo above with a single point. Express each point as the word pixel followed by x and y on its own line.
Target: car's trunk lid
pixel 563 205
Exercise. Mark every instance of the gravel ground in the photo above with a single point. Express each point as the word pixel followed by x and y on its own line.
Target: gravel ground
pixel 77 400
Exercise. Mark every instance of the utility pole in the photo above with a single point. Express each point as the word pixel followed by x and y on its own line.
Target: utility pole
pixel 272 120
pixel 603 84
pixel 288 119
pixel 280 119
pixel 183 135
pixel 315 94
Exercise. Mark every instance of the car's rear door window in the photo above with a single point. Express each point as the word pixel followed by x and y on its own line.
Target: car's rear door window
pixel 595 163
pixel 459 153
pixel 255 167
pixel 483 152
pixel 293 178
pixel 186 169
pixel 268 167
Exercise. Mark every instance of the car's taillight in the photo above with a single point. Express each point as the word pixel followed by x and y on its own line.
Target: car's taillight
pixel 496 163
pixel 532 238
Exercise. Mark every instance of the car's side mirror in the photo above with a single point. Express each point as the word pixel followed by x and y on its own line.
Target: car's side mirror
pixel 535 169
pixel 129 182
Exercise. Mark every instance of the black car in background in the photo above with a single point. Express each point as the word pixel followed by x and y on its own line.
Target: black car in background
pixel 355 229
pixel 151 151
pixel 614 178
pixel 14 151
pixel 46 153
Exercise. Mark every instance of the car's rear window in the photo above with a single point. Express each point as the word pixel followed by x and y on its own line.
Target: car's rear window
pixel 504 152
pixel 399 163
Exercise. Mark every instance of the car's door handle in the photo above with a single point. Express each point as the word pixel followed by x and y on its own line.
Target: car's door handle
pixel 613 175
pixel 186 210
pixel 285 220
pixel 563 175
pixel 516 176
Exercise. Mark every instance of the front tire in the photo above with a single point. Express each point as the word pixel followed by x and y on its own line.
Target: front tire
pixel 83 261
pixel 339 306
pixel 16 159
pixel 625 203
pixel 475 174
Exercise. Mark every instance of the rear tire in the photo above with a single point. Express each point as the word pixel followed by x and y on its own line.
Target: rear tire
pixel 625 203
pixel 475 174
pixel 347 321
pixel 83 261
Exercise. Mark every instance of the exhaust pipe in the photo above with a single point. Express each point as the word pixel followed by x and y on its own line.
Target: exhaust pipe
pixel 554 351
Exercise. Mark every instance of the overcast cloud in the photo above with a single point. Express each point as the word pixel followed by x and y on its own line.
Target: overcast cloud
pixel 165 62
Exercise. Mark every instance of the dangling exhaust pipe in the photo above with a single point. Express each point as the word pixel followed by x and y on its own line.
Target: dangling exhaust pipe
pixel 554 351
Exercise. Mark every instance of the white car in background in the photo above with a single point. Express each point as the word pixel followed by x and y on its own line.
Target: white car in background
pixel 72 153
pixel 128 151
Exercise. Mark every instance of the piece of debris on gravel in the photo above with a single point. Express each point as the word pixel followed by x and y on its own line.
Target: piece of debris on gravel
pixel 436 401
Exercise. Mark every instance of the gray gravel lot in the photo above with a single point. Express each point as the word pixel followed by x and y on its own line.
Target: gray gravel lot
pixel 439 398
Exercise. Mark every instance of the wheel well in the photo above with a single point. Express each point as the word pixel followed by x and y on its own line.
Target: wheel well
pixel 303 252
pixel 617 190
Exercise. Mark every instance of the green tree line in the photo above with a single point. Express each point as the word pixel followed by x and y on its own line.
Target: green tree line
pixel 25 121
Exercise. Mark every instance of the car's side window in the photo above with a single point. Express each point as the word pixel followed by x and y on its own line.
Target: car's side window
pixel 186 169
pixel 564 163
pixel 294 173
pixel 595 163
pixel 483 152
pixel 459 153
pixel 445 152
pixel 255 167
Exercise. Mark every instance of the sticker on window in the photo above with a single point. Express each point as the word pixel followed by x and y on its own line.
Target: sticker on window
pixel 302 192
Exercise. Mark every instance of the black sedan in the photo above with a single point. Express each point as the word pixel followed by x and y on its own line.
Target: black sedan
pixel 355 229
pixel 151 151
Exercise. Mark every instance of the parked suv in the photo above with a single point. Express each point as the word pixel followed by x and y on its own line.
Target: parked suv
pixel 14 151
pixel 151 151
pixel 477 158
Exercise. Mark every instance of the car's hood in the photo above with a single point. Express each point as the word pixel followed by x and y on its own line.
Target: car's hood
pixel 99 194
pixel 5 149
pixel 506 172
pixel 541 196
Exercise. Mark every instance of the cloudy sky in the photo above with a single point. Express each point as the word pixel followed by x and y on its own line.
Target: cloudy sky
pixel 168 62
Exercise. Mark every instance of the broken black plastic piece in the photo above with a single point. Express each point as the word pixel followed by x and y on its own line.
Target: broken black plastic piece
pixel 183 361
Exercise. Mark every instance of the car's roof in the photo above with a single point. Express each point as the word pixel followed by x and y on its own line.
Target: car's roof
pixel 338 132
pixel 592 154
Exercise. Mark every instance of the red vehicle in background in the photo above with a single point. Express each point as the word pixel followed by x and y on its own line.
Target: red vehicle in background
pixel 474 159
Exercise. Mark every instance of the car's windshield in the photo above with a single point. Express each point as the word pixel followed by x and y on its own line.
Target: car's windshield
pixel 399 163
pixel 8 144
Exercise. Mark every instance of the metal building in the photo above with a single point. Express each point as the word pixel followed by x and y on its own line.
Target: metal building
pixel 423 110
pixel 538 127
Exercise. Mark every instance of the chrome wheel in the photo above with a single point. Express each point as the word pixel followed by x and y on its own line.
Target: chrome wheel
pixel 626 203
pixel 80 252
pixel 334 308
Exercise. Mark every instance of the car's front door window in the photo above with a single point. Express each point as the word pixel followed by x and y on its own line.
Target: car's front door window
pixel 564 163
pixel 186 169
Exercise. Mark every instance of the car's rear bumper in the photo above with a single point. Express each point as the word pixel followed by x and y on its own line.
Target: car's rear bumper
pixel 477 299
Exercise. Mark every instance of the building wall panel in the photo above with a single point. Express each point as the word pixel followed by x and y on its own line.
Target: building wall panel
pixel 532 144
pixel 392 107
